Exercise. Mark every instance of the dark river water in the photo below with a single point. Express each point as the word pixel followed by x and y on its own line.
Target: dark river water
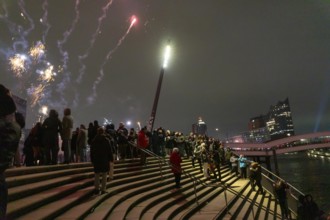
pixel 310 175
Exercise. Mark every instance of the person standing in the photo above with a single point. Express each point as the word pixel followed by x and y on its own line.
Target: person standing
pixel 81 144
pixel 243 166
pixel 101 156
pixel 255 177
pixel 51 128
pixel 132 141
pixel 143 143
pixel 175 160
pixel 197 155
pixel 280 188
pixel 216 162
pixel 205 161
pixel 67 125
pixel 234 165
pixel 10 133
pixel 74 145
pixel 122 136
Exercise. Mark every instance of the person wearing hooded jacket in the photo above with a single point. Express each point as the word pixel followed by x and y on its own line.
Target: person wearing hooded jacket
pixel 10 133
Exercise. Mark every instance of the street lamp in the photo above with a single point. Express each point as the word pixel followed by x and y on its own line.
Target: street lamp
pixel 162 70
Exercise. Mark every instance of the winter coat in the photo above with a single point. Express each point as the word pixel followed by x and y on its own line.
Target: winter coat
pixel 101 153
pixel 242 162
pixel 82 139
pixel 142 141
pixel 255 172
pixel 51 127
pixel 10 133
pixel 175 160
pixel 67 125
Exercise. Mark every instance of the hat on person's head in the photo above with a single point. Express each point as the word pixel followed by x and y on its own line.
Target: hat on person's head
pixel 7 104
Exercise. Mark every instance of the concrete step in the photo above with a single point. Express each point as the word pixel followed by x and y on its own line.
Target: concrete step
pixel 136 192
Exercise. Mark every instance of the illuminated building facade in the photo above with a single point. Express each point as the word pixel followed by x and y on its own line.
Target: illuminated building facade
pixel 275 125
pixel 280 122
pixel 200 128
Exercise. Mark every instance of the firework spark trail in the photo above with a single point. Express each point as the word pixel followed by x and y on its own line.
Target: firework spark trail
pixel 44 20
pixel 16 30
pixel 61 87
pixel 91 99
pixel 92 41
pixel 35 93
pixel 66 35
pixel 24 14
pixel 4 9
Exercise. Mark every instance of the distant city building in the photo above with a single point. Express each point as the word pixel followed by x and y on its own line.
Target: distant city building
pixel 200 127
pixel 280 123
pixel 276 124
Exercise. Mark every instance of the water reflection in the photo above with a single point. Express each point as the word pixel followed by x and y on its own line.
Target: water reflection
pixel 309 174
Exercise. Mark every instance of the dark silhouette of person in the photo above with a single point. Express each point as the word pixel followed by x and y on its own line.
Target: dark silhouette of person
pixel 280 189
pixel 10 133
pixel 51 128
pixel 255 177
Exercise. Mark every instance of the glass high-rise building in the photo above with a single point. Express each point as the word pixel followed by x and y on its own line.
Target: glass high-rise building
pixel 280 123
pixel 276 124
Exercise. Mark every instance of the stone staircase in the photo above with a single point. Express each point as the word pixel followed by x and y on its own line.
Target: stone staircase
pixel 136 192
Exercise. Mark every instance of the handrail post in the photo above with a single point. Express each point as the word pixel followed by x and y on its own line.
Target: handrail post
pixel 275 162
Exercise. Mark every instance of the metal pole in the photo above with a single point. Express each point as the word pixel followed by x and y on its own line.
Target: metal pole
pixel 154 108
pixel 277 171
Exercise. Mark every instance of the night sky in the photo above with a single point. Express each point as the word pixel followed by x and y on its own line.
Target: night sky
pixel 230 60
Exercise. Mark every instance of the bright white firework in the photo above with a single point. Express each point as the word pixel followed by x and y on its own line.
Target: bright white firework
pixel 47 75
pixel 17 64
pixel 44 110
pixel 37 51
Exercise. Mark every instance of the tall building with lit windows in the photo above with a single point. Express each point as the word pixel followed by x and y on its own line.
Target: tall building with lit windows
pixel 280 123
pixel 200 127
pixel 276 124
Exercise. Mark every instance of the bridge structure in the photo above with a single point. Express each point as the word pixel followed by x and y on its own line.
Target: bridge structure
pixel 290 144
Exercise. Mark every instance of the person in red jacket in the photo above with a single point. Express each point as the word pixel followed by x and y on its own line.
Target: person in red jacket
pixel 143 142
pixel 175 160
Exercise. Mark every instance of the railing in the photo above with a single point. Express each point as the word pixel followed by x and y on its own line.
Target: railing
pixel 267 182
pixel 292 195
pixel 161 161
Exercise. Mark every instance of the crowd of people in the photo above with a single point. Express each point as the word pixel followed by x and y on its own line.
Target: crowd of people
pixel 107 144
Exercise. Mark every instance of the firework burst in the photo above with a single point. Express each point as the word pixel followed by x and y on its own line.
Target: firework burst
pixel 37 51
pixel 17 63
